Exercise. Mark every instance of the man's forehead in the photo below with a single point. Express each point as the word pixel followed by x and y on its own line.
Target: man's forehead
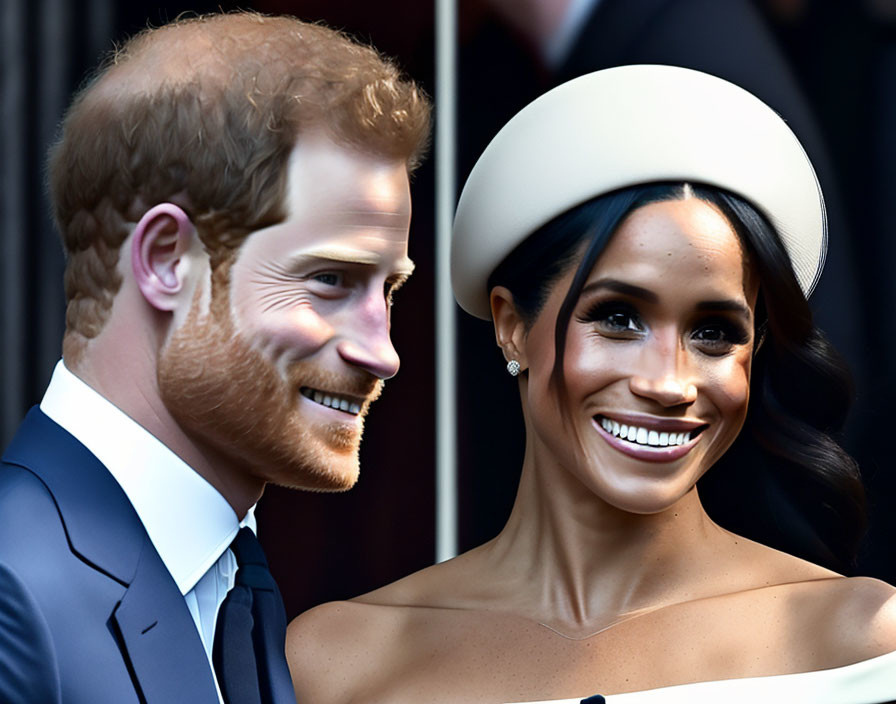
pixel 346 177
pixel 376 218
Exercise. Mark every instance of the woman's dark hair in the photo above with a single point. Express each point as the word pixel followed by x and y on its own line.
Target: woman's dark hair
pixel 785 481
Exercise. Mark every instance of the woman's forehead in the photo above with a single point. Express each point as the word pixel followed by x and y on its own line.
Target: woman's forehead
pixel 682 243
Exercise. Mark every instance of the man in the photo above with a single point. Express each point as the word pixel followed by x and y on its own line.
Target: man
pixel 232 192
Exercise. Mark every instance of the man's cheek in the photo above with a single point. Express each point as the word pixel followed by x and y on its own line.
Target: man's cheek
pixel 296 334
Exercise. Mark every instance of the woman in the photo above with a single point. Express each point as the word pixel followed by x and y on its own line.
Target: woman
pixel 643 239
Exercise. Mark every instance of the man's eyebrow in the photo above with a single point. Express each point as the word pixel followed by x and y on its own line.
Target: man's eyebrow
pixel 349 255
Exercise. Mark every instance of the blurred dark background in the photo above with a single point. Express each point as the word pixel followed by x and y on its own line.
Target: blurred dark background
pixel 829 67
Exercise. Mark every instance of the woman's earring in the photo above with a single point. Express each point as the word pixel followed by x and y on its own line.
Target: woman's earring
pixel 513 367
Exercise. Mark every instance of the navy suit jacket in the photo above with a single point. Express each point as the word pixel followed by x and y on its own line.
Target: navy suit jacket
pixel 88 611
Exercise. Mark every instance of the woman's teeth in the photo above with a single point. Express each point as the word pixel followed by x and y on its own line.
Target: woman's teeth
pixel 643 436
pixel 332 401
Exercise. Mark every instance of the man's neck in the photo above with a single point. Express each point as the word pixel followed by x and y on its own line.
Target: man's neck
pixel 129 383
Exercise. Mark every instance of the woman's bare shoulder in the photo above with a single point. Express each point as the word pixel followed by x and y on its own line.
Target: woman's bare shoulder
pixel 837 620
pixel 863 614
pixel 844 620
pixel 338 647
pixel 334 647
pixel 861 606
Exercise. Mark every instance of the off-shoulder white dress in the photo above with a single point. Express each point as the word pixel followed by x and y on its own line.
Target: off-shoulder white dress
pixel 867 682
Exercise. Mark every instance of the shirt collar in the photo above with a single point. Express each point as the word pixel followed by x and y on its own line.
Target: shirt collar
pixel 188 521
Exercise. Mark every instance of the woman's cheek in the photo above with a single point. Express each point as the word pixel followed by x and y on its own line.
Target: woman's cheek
pixel 730 384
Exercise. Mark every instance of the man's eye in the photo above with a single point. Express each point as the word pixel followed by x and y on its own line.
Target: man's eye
pixel 329 278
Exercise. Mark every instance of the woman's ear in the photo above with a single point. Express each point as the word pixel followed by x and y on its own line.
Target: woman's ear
pixel 510 329
pixel 161 239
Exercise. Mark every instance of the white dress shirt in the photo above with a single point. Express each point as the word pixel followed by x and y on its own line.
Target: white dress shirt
pixel 190 524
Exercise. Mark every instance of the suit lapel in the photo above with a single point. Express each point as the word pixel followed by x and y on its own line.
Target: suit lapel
pixel 156 633
pixel 160 638
pixel 102 527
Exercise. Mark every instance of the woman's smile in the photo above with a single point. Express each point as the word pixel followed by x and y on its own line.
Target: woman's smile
pixel 648 438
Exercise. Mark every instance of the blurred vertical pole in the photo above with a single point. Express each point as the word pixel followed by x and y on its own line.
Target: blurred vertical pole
pixel 59 45
pixel 45 47
pixel 13 161
pixel 446 393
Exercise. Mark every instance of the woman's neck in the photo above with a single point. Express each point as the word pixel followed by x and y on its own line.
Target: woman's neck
pixel 578 564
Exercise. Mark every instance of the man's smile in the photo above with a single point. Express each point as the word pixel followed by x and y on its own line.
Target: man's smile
pixel 339 402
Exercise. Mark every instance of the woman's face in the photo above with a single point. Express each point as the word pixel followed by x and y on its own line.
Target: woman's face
pixel 657 358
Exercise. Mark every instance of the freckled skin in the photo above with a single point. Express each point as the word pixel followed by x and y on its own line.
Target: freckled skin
pixel 609 577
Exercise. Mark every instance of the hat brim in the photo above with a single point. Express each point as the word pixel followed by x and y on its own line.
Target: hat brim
pixel 622 127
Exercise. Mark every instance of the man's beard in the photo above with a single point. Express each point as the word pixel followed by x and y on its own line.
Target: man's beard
pixel 231 399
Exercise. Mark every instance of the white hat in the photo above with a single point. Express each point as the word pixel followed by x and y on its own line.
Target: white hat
pixel 622 127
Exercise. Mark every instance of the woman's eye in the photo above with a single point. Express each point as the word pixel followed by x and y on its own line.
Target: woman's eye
pixel 621 321
pixel 718 338
pixel 614 318
pixel 710 334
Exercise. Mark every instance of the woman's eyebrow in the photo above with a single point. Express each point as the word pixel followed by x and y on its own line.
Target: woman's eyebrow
pixel 622 287
pixel 726 305
pixel 626 289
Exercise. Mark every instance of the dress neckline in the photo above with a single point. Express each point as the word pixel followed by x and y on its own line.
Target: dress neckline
pixel 871 681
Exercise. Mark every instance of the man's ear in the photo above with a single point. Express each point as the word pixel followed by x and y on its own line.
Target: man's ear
pixel 163 236
pixel 510 330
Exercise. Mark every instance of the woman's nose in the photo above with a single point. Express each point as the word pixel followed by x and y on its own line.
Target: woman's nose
pixel 667 391
pixel 663 375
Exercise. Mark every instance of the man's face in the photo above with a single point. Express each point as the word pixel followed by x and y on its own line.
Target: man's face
pixel 279 374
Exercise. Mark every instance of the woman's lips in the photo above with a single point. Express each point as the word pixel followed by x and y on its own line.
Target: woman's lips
pixel 653 442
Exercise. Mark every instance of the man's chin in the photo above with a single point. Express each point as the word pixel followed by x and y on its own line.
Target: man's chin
pixel 317 459
pixel 332 479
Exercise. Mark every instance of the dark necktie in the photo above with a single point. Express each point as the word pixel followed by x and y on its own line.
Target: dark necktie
pixel 250 632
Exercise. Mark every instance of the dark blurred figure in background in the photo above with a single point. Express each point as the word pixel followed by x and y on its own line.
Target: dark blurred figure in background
pixel 845 57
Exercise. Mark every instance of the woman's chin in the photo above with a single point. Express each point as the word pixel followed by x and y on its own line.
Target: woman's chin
pixel 641 495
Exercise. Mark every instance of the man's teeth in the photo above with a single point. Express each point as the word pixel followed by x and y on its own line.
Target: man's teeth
pixel 643 436
pixel 332 401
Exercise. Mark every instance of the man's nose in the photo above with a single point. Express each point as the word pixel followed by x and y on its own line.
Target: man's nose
pixel 663 374
pixel 366 341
